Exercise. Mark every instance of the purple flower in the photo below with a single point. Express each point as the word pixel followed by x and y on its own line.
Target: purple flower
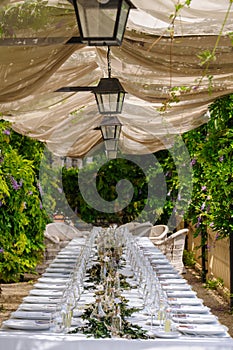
pixel 203 188
pixel 1 204
pixel 1 250
pixel 16 186
pixel 40 188
pixel 193 162
pixel 199 220
pixel 168 173
pixel 211 224
pixel 30 193
pixel 221 159
pixel 203 206
pixel 6 132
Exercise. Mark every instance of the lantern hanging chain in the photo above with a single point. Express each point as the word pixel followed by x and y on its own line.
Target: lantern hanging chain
pixel 109 62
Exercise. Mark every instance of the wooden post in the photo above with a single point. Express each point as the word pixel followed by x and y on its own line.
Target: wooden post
pixel 231 270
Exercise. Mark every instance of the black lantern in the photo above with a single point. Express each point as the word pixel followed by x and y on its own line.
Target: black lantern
pixel 110 129
pixel 111 154
pixel 102 22
pixel 109 95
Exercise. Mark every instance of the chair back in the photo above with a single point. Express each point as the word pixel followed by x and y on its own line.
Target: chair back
pixel 173 248
pixel 158 232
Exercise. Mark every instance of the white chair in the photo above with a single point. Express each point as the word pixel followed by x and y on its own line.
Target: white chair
pixel 58 232
pixel 139 229
pixel 173 248
pixel 158 233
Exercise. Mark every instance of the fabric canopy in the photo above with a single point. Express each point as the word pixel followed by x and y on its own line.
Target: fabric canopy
pixel 160 64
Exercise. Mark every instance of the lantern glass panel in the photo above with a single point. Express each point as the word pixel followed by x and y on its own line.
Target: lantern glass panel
pixel 102 22
pixel 111 154
pixel 110 103
pixel 97 20
pixel 122 20
pixel 111 144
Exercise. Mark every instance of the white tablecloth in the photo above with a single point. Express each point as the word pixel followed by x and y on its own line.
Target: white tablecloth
pixel 46 340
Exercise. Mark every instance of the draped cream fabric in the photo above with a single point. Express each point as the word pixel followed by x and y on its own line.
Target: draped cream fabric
pixel 169 90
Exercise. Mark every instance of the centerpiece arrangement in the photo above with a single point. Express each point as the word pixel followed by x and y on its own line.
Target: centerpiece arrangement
pixel 107 317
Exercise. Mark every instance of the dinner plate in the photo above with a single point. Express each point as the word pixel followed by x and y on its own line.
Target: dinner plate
pixel 64 274
pixel 189 309
pixel 181 293
pixel 202 329
pixel 195 319
pixel 167 335
pixel 30 325
pixel 175 281
pixel 67 269
pixel 37 307
pixel 159 262
pixel 171 275
pixel 46 293
pixel 41 300
pixel 52 280
pixel 59 264
pixel 31 315
pixel 51 285
pixel 185 301
pixel 176 287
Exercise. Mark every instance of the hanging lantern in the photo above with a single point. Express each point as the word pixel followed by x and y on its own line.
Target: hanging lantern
pixel 109 95
pixel 102 22
pixel 110 129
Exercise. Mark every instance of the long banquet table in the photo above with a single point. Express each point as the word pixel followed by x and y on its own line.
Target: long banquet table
pixel 46 293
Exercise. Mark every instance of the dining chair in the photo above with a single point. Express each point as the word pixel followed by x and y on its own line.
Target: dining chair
pixel 173 248
pixel 158 233
pixel 61 233
pixel 141 229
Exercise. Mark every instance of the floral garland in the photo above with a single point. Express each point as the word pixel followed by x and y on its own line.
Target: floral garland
pixel 107 317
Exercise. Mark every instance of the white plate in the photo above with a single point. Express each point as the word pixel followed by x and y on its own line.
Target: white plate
pixel 195 319
pixel 30 325
pixel 53 286
pixel 57 274
pixel 176 287
pixel 181 293
pixel 189 309
pixel 62 266
pixel 202 329
pixel 31 315
pixel 168 335
pixel 41 300
pixel 52 280
pixel 159 262
pixel 60 269
pixel 164 276
pixel 185 301
pixel 46 293
pixel 173 281
pixel 37 307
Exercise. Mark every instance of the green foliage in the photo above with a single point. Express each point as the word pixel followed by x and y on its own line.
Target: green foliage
pixel 107 178
pixel 211 149
pixel 214 283
pixel 22 219
pixel 188 258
